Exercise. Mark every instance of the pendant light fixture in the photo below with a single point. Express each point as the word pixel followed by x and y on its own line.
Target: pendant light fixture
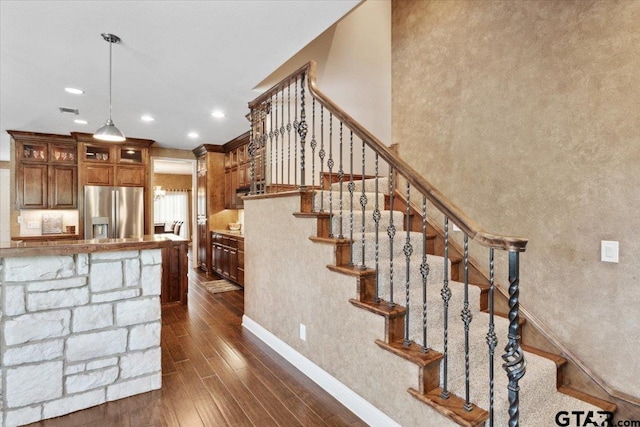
pixel 109 132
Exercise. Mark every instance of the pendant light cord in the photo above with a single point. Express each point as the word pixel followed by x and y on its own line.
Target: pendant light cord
pixel 110 71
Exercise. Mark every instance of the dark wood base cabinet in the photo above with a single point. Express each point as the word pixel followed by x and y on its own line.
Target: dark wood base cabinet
pixel 174 274
pixel 227 256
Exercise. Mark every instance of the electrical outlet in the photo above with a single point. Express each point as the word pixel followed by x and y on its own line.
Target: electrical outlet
pixel 303 332
pixel 609 251
pixel 19 219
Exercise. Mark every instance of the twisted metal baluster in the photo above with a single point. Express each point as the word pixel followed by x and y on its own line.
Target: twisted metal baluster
pixel 515 364
pixel 303 128
pixel 446 296
pixel 408 250
pixel 424 272
pixel 282 131
pixel 288 134
pixel 376 219
pixel 313 144
pixel 330 165
pixel 466 318
pixel 252 163
pixel 492 339
pixel 341 182
pixel 321 155
pixel 363 205
pixel 276 134
pixel 295 135
pixel 391 232
pixel 351 187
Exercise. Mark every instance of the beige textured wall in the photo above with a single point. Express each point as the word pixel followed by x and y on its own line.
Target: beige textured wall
pixel 338 334
pixel 526 114
pixel 173 182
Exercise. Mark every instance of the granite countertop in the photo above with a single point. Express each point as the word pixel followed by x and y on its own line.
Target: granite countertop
pixel 66 247
pixel 231 233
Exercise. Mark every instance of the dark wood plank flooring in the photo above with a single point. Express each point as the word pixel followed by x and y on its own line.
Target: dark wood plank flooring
pixel 216 374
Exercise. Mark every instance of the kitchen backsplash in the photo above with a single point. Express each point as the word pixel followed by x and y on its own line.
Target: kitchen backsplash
pixel 31 220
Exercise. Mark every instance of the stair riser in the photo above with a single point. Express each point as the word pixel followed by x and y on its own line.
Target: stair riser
pixel 369 185
pixel 346 201
pixel 384 246
pixel 369 223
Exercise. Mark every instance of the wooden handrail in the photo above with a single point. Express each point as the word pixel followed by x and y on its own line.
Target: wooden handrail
pixel 439 200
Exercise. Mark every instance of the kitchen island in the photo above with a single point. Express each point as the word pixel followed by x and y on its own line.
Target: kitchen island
pixel 80 323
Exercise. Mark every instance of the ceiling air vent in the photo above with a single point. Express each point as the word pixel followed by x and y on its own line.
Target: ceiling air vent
pixel 68 110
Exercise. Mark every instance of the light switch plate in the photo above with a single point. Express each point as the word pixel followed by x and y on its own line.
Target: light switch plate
pixel 609 251
pixel 303 332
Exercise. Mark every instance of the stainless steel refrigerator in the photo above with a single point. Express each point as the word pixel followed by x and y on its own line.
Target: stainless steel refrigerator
pixel 113 212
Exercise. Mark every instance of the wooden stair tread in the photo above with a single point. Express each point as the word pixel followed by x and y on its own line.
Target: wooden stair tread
pixel 311 214
pixel 521 320
pixel 381 308
pixel 352 270
pixel 600 403
pixel 558 360
pixel 330 240
pixel 453 407
pixel 412 353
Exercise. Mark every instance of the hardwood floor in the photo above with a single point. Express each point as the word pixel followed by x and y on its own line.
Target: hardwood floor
pixel 216 374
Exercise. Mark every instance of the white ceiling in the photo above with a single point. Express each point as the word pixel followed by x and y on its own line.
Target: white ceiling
pixel 178 61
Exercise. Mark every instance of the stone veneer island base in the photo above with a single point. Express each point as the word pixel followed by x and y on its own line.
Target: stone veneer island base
pixel 77 329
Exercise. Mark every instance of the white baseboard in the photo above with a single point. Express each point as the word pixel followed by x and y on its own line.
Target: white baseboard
pixel 359 406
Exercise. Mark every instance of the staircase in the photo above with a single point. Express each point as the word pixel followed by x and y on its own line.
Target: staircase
pixel 394 233
pixel 542 400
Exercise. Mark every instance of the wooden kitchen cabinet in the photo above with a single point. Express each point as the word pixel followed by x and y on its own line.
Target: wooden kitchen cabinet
pixel 46 171
pixel 174 286
pixel 209 198
pixel 237 169
pixel 226 260
pixel 63 187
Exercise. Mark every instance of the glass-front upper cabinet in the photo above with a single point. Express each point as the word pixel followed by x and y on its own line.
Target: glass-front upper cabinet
pixel 134 155
pixel 34 151
pixel 97 153
pixel 62 153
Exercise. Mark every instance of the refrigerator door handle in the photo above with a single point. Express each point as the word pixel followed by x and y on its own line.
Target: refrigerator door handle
pixel 114 213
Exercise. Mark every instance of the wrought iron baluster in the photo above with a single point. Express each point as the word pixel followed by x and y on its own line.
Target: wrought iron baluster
pixel 466 318
pixel 492 339
pixel 321 155
pixel 282 131
pixel 515 364
pixel 376 219
pixel 313 144
pixel 276 134
pixel 340 181
pixel 391 232
pixel 446 296
pixel 252 144
pixel 424 272
pixel 363 205
pixel 330 166
pixel 288 133
pixel 303 128
pixel 351 187
pixel 408 250
pixel 295 135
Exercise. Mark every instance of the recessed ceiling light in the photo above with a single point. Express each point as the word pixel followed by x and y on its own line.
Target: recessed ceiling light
pixel 193 135
pixel 74 90
pixel 218 114
pixel 81 122
pixel 147 118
